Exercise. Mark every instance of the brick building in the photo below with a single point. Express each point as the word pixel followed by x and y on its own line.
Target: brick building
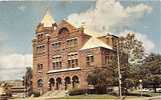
pixel 64 55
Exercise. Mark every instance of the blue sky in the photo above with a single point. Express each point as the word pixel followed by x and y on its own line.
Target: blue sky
pixel 18 21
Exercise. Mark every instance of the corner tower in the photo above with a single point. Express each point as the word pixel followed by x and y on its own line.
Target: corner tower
pixel 47 24
pixel 41 50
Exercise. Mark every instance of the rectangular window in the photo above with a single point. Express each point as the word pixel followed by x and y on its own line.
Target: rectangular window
pixel 40 36
pixel 56 45
pixel 73 60
pixel 89 59
pixel 107 58
pixel 40 48
pixel 72 42
pixel 57 62
pixel 39 67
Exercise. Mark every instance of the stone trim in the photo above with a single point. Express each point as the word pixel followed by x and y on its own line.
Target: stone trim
pixel 63 70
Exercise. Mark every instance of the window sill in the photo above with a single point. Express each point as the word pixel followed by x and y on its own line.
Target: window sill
pixel 63 70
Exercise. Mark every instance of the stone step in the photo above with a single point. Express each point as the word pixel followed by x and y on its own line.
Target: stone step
pixel 55 94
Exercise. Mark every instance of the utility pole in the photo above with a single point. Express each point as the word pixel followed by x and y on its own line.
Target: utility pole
pixel 119 72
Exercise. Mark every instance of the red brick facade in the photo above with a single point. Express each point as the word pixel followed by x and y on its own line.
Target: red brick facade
pixel 59 62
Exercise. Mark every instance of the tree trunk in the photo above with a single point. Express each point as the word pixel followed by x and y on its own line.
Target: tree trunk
pixel 154 87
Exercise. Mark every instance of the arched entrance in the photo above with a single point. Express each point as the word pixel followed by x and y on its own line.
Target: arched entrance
pixel 75 81
pixel 51 84
pixel 40 85
pixel 67 83
pixel 58 83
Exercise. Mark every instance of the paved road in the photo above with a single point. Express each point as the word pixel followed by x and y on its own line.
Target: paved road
pixel 43 98
pixel 146 98
pixel 154 98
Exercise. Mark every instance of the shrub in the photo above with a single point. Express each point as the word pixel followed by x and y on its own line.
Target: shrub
pixel 77 91
pixel 36 93
pixel 137 94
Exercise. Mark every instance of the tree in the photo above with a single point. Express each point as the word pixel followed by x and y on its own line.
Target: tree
pixel 150 71
pixel 134 49
pixel 131 54
pixel 27 81
pixel 100 79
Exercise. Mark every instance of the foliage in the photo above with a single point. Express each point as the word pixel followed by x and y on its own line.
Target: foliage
pixel 36 93
pixel 150 71
pixel 77 92
pixel 100 79
pixel 134 50
pixel 134 65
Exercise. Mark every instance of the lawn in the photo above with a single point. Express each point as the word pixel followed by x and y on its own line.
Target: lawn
pixel 91 96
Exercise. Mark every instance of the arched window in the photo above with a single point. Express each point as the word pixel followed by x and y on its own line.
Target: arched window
pixel 51 83
pixel 75 81
pixel 67 80
pixel 40 83
pixel 63 30
pixel 58 83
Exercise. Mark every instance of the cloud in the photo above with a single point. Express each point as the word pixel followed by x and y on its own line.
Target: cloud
pixel 12 66
pixel 3 36
pixel 21 8
pixel 109 16
pixel 147 43
pixel 16 60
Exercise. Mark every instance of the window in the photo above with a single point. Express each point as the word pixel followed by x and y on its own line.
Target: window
pixel 40 48
pixel 72 42
pixel 57 63
pixel 72 60
pixel 89 59
pixel 40 83
pixel 107 59
pixel 56 45
pixel 63 30
pixel 40 36
pixel 39 67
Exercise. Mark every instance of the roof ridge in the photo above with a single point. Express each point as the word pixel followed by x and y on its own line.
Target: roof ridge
pixel 94 42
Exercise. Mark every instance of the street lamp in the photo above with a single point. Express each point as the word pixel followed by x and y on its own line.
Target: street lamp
pixel 141 86
pixel 119 72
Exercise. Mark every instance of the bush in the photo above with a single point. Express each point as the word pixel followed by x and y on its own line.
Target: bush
pixel 36 93
pixel 77 92
pixel 137 94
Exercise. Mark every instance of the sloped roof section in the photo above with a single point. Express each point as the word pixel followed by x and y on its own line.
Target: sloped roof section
pixel 94 42
pixel 47 20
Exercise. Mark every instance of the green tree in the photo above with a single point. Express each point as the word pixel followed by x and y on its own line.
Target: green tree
pixel 100 79
pixel 150 71
pixel 131 54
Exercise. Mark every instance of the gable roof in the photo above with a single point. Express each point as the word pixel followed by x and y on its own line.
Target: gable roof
pixel 94 42
pixel 47 20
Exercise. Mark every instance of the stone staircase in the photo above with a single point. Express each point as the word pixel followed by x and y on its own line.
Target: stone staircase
pixel 55 94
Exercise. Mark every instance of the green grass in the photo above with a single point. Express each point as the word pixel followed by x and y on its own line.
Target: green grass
pixel 148 93
pixel 91 96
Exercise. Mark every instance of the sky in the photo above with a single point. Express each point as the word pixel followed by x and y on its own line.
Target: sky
pixel 18 21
